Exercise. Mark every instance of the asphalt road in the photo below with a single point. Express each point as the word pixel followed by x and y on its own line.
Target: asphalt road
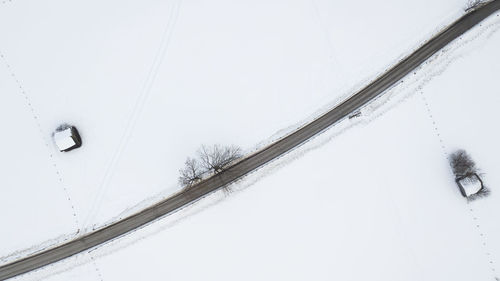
pixel 252 162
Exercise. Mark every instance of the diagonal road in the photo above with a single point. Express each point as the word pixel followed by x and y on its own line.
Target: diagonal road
pixel 254 161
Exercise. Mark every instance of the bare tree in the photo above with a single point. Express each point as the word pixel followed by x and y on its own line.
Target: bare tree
pixel 215 158
pixel 191 173
pixel 462 164
pixel 211 160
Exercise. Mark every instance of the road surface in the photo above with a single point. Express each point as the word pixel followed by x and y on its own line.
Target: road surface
pixel 254 161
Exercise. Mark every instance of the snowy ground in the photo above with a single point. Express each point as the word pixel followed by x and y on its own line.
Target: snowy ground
pixel 147 83
pixel 370 199
pixel 24 151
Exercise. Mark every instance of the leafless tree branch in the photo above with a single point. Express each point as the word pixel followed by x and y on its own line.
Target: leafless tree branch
pixel 191 173
pixel 217 157
pixel 210 160
pixel 461 163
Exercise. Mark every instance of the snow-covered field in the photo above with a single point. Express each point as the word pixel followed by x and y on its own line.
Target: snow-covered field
pixel 29 175
pixel 146 83
pixel 370 199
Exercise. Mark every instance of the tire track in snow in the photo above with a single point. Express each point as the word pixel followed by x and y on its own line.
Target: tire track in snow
pixel 136 112
pixel 296 139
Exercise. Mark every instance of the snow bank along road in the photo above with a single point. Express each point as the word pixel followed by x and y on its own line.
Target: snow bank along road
pixel 257 159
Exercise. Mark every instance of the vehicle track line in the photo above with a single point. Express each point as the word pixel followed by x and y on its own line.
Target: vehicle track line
pixel 257 159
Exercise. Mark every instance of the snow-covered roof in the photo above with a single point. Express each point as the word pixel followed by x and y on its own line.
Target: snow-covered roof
pixel 386 234
pixel 470 185
pixel 64 139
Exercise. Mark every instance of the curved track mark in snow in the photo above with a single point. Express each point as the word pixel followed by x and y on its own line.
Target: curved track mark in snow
pixel 134 116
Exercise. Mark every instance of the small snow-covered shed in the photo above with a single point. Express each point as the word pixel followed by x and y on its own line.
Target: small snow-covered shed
pixel 67 138
pixel 470 184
